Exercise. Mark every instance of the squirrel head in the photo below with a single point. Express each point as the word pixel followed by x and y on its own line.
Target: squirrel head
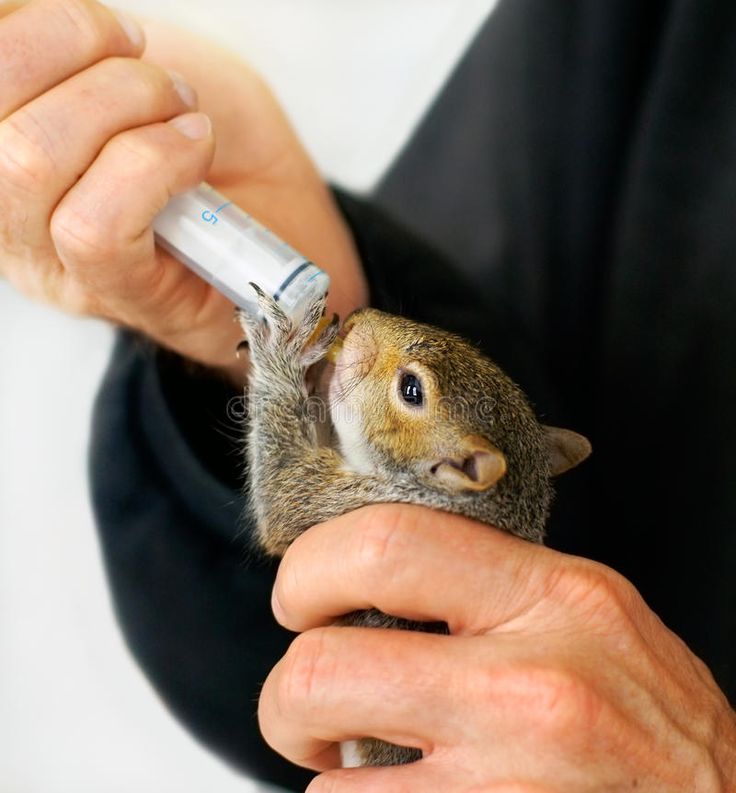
pixel 411 400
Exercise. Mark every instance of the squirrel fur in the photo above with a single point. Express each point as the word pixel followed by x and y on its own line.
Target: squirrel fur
pixel 417 415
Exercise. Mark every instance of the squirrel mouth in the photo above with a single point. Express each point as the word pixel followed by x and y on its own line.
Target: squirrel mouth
pixel 333 353
pixel 322 373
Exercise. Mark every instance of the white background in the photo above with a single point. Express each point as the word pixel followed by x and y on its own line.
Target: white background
pixel 76 714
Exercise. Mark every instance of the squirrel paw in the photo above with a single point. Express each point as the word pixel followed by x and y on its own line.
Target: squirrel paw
pixel 272 331
pixel 266 331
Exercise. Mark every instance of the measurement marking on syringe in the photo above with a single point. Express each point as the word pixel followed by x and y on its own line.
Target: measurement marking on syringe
pixel 229 248
pixel 211 217
pixel 293 275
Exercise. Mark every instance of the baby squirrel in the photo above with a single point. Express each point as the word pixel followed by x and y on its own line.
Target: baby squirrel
pixel 418 415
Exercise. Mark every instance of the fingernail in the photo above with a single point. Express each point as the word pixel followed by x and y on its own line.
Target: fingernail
pixel 278 612
pixel 196 126
pixel 186 92
pixel 132 28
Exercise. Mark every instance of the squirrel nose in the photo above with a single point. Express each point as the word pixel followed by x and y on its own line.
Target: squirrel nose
pixel 353 315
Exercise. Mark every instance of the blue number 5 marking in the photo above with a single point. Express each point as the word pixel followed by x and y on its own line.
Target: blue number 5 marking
pixel 211 217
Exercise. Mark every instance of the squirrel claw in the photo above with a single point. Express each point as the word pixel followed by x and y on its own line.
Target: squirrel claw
pixel 271 330
pixel 245 320
pixel 273 316
pixel 257 289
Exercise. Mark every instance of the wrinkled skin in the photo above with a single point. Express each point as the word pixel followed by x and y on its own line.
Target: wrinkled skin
pixel 556 676
pixel 90 152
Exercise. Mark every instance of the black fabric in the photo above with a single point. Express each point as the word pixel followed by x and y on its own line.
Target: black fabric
pixel 583 169
pixel 580 170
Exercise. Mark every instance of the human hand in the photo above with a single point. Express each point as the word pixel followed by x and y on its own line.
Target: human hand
pixel 96 135
pixel 556 677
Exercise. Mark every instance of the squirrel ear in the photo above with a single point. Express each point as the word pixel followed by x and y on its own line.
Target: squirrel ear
pixel 478 466
pixel 566 449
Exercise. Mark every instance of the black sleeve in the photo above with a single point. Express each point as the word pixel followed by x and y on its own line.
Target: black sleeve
pixel 192 599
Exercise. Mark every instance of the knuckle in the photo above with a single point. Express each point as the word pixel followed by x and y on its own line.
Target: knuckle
pixel 141 151
pixel 79 240
pixel 594 590
pixel 383 535
pixel 566 703
pixel 111 73
pixel 26 160
pixel 308 671
pixel 87 23
pixel 555 702
pixel 143 81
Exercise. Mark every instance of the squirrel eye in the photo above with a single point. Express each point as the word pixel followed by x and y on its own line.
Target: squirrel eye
pixel 411 390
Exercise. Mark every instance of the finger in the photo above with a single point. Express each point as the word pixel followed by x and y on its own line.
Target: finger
pixel 44 42
pixel 103 238
pixel 101 229
pixel 324 691
pixel 498 699
pixel 419 777
pixel 410 562
pixel 46 144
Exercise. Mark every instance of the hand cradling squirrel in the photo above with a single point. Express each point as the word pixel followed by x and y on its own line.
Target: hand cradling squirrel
pixel 416 415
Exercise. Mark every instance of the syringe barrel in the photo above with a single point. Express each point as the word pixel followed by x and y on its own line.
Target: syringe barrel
pixel 229 249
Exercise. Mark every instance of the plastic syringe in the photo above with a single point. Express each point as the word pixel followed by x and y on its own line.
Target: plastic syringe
pixel 229 249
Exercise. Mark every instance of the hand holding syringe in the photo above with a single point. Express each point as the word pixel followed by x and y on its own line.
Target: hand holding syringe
pixel 101 135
